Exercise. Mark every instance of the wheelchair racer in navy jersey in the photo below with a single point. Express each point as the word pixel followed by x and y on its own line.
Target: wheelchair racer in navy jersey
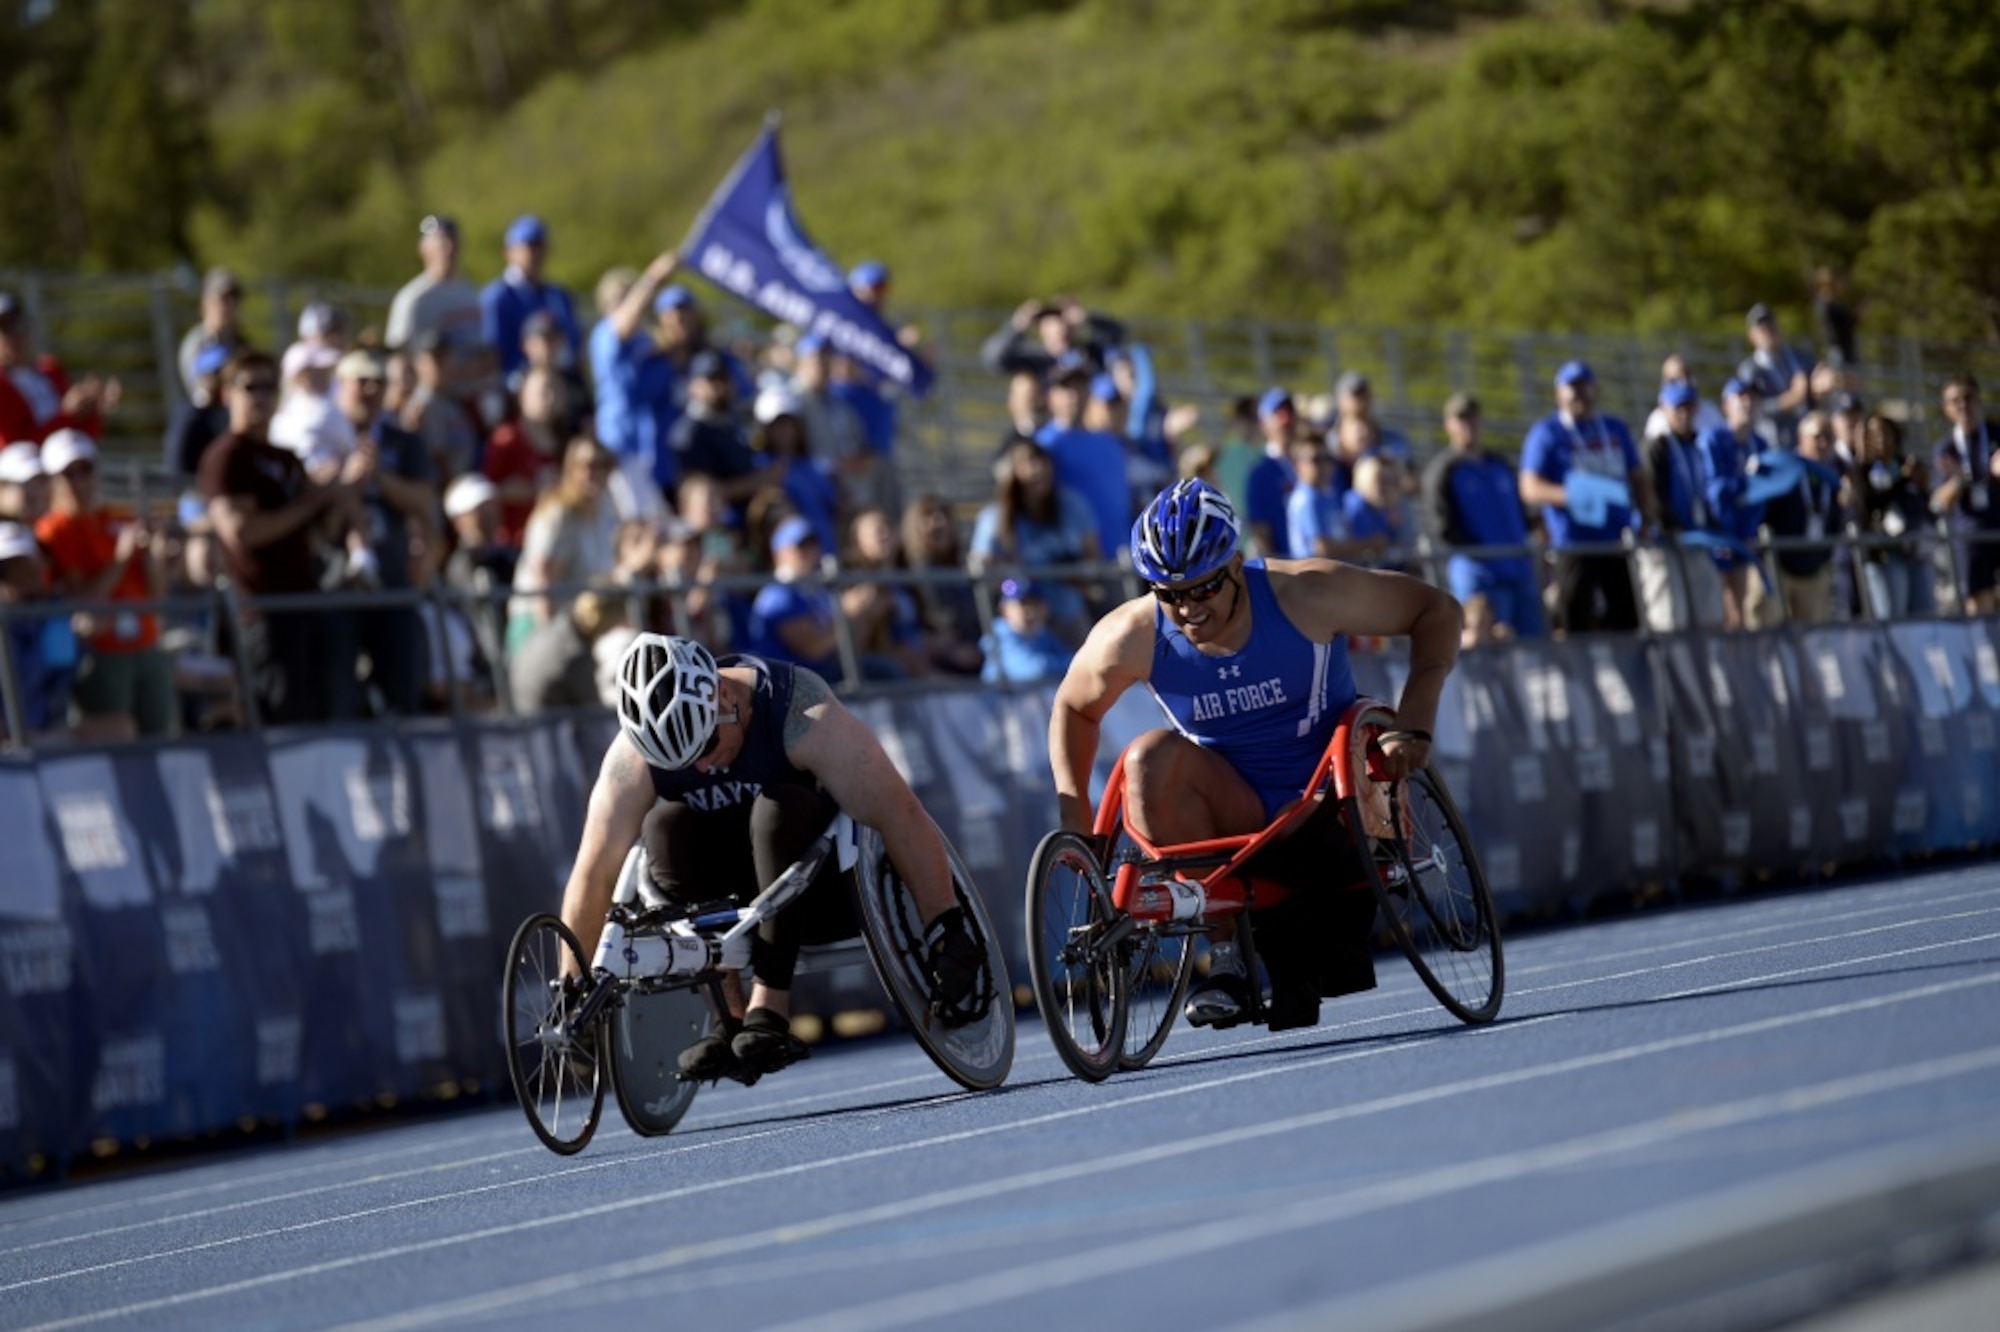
pixel 1248 659
pixel 728 771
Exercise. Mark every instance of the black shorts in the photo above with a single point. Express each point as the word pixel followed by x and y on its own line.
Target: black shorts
pixel 1322 935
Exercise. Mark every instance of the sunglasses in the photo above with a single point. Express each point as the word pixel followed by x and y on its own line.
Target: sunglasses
pixel 257 385
pixel 1192 596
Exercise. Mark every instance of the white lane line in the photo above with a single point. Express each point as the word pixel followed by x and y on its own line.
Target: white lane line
pixel 1157 1247
pixel 953 1197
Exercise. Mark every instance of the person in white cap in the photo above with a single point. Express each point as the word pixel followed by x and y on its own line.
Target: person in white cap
pixel 126 684
pixel 24 485
pixel 480 564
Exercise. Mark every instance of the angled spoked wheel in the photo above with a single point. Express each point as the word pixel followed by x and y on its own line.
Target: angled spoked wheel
pixel 1082 972
pixel 1159 964
pixel 1433 893
pixel 973 1043
pixel 557 1073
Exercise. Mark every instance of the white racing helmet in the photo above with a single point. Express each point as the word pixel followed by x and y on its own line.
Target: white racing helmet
pixel 667 691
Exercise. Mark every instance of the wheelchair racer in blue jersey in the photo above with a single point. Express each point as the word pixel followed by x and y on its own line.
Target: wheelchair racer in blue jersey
pixel 1248 659
pixel 728 771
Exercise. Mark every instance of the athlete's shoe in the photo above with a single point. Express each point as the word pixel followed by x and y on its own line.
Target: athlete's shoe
pixel 708 1059
pixel 765 1044
pixel 1220 1000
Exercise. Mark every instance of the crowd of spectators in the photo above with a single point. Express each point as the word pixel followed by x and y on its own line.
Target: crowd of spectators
pixel 573 481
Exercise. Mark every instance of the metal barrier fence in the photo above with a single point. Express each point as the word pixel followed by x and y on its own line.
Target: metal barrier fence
pixel 130 325
pixel 1934 553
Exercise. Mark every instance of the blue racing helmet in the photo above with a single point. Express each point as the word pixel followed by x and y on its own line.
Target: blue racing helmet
pixel 1188 531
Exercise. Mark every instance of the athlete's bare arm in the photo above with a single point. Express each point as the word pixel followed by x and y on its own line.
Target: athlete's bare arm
pixel 617 811
pixel 1117 655
pixel 1325 600
pixel 828 741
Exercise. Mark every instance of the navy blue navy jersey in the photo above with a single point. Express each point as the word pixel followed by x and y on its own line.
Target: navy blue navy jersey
pixel 762 761
pixel 1269 709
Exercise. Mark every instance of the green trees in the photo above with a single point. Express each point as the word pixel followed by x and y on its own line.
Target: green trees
pixel 1506 163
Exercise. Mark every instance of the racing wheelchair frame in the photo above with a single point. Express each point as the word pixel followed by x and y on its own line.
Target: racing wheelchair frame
pixel 656 983
pixel 1112 918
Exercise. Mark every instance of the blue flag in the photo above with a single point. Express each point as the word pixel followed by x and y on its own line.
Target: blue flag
pixel 748 242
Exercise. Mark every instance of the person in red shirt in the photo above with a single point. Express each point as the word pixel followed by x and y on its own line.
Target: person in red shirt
pixel 36 397
pixel 524 457
pixel 126 683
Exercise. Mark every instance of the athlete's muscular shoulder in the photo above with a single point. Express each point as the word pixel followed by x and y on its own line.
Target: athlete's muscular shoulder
pixel 1117 655
pixel 1326 598
pixel 812 699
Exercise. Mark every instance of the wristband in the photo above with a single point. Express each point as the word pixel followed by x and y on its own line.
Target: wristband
pixel 1407 733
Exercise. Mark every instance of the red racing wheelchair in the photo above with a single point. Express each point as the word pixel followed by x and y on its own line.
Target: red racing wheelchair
pixel 1112 920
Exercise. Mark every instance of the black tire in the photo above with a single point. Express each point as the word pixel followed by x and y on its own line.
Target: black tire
pixel 974 1046
pixel 559 1081
pixel 647 1033
pixel 1082 985
pixel 1438 907
pixel 1159 968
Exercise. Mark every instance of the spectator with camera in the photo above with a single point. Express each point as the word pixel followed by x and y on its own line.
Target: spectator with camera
pixel 1040 333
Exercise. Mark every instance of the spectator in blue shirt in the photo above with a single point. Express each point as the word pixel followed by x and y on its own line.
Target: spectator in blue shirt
pixel 1090 462
pixel 44 648
pixel 790 622
pixel 509 299
pixel 1679 584
pixel 1473 500
pixel 1356 401
pixel 1314 520
pixel 1378 512
pixel 1269 484
pixel 1022 649
pixel 786 451
pixel 639 393
pixel 1594 591
pixel 1725 457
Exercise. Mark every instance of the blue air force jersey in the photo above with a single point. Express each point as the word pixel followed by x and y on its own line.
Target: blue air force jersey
pixel 1269 709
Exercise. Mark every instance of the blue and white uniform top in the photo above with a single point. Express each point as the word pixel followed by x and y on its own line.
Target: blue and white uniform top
pixel 1269 709
pixel 761 762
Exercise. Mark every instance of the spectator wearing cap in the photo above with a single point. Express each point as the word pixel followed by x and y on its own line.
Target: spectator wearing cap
pixel 433 412
pixel 1023 649
pixel 570 539
pixel 519 291
pixel 264 506
pixel 200 419
pixel 41 676
pixel 220 329
pixel 791 620
pixel 785 451
pixel 1093 463
pixel 1675 370
pixel 1039 333
pixel 437 300
pixel 36 395
pixel 390 474
pixel 542 349
pixel 322 324
pixel 309 423
pixel 126 685
pixel 1036 521
pixel 1472 499
pixel 1594 592
pixel 1965 467
pixel 25 492
pixel 875 398
pixel 835 431
pixel 1726 458
pixel 1269 483
pixel 1781 377
pixel 1354 399
pixel 1679 585
pixel 1811 511
pixel 709 438
pixel 480 565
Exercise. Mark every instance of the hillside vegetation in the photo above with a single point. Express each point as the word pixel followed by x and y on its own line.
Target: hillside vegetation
pixel 1556 164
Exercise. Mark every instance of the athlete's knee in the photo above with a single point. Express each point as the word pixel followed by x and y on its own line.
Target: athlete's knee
pixel 1156 761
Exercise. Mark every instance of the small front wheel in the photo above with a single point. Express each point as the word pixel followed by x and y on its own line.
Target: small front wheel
pixel 1082 977
pixel 557 1072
